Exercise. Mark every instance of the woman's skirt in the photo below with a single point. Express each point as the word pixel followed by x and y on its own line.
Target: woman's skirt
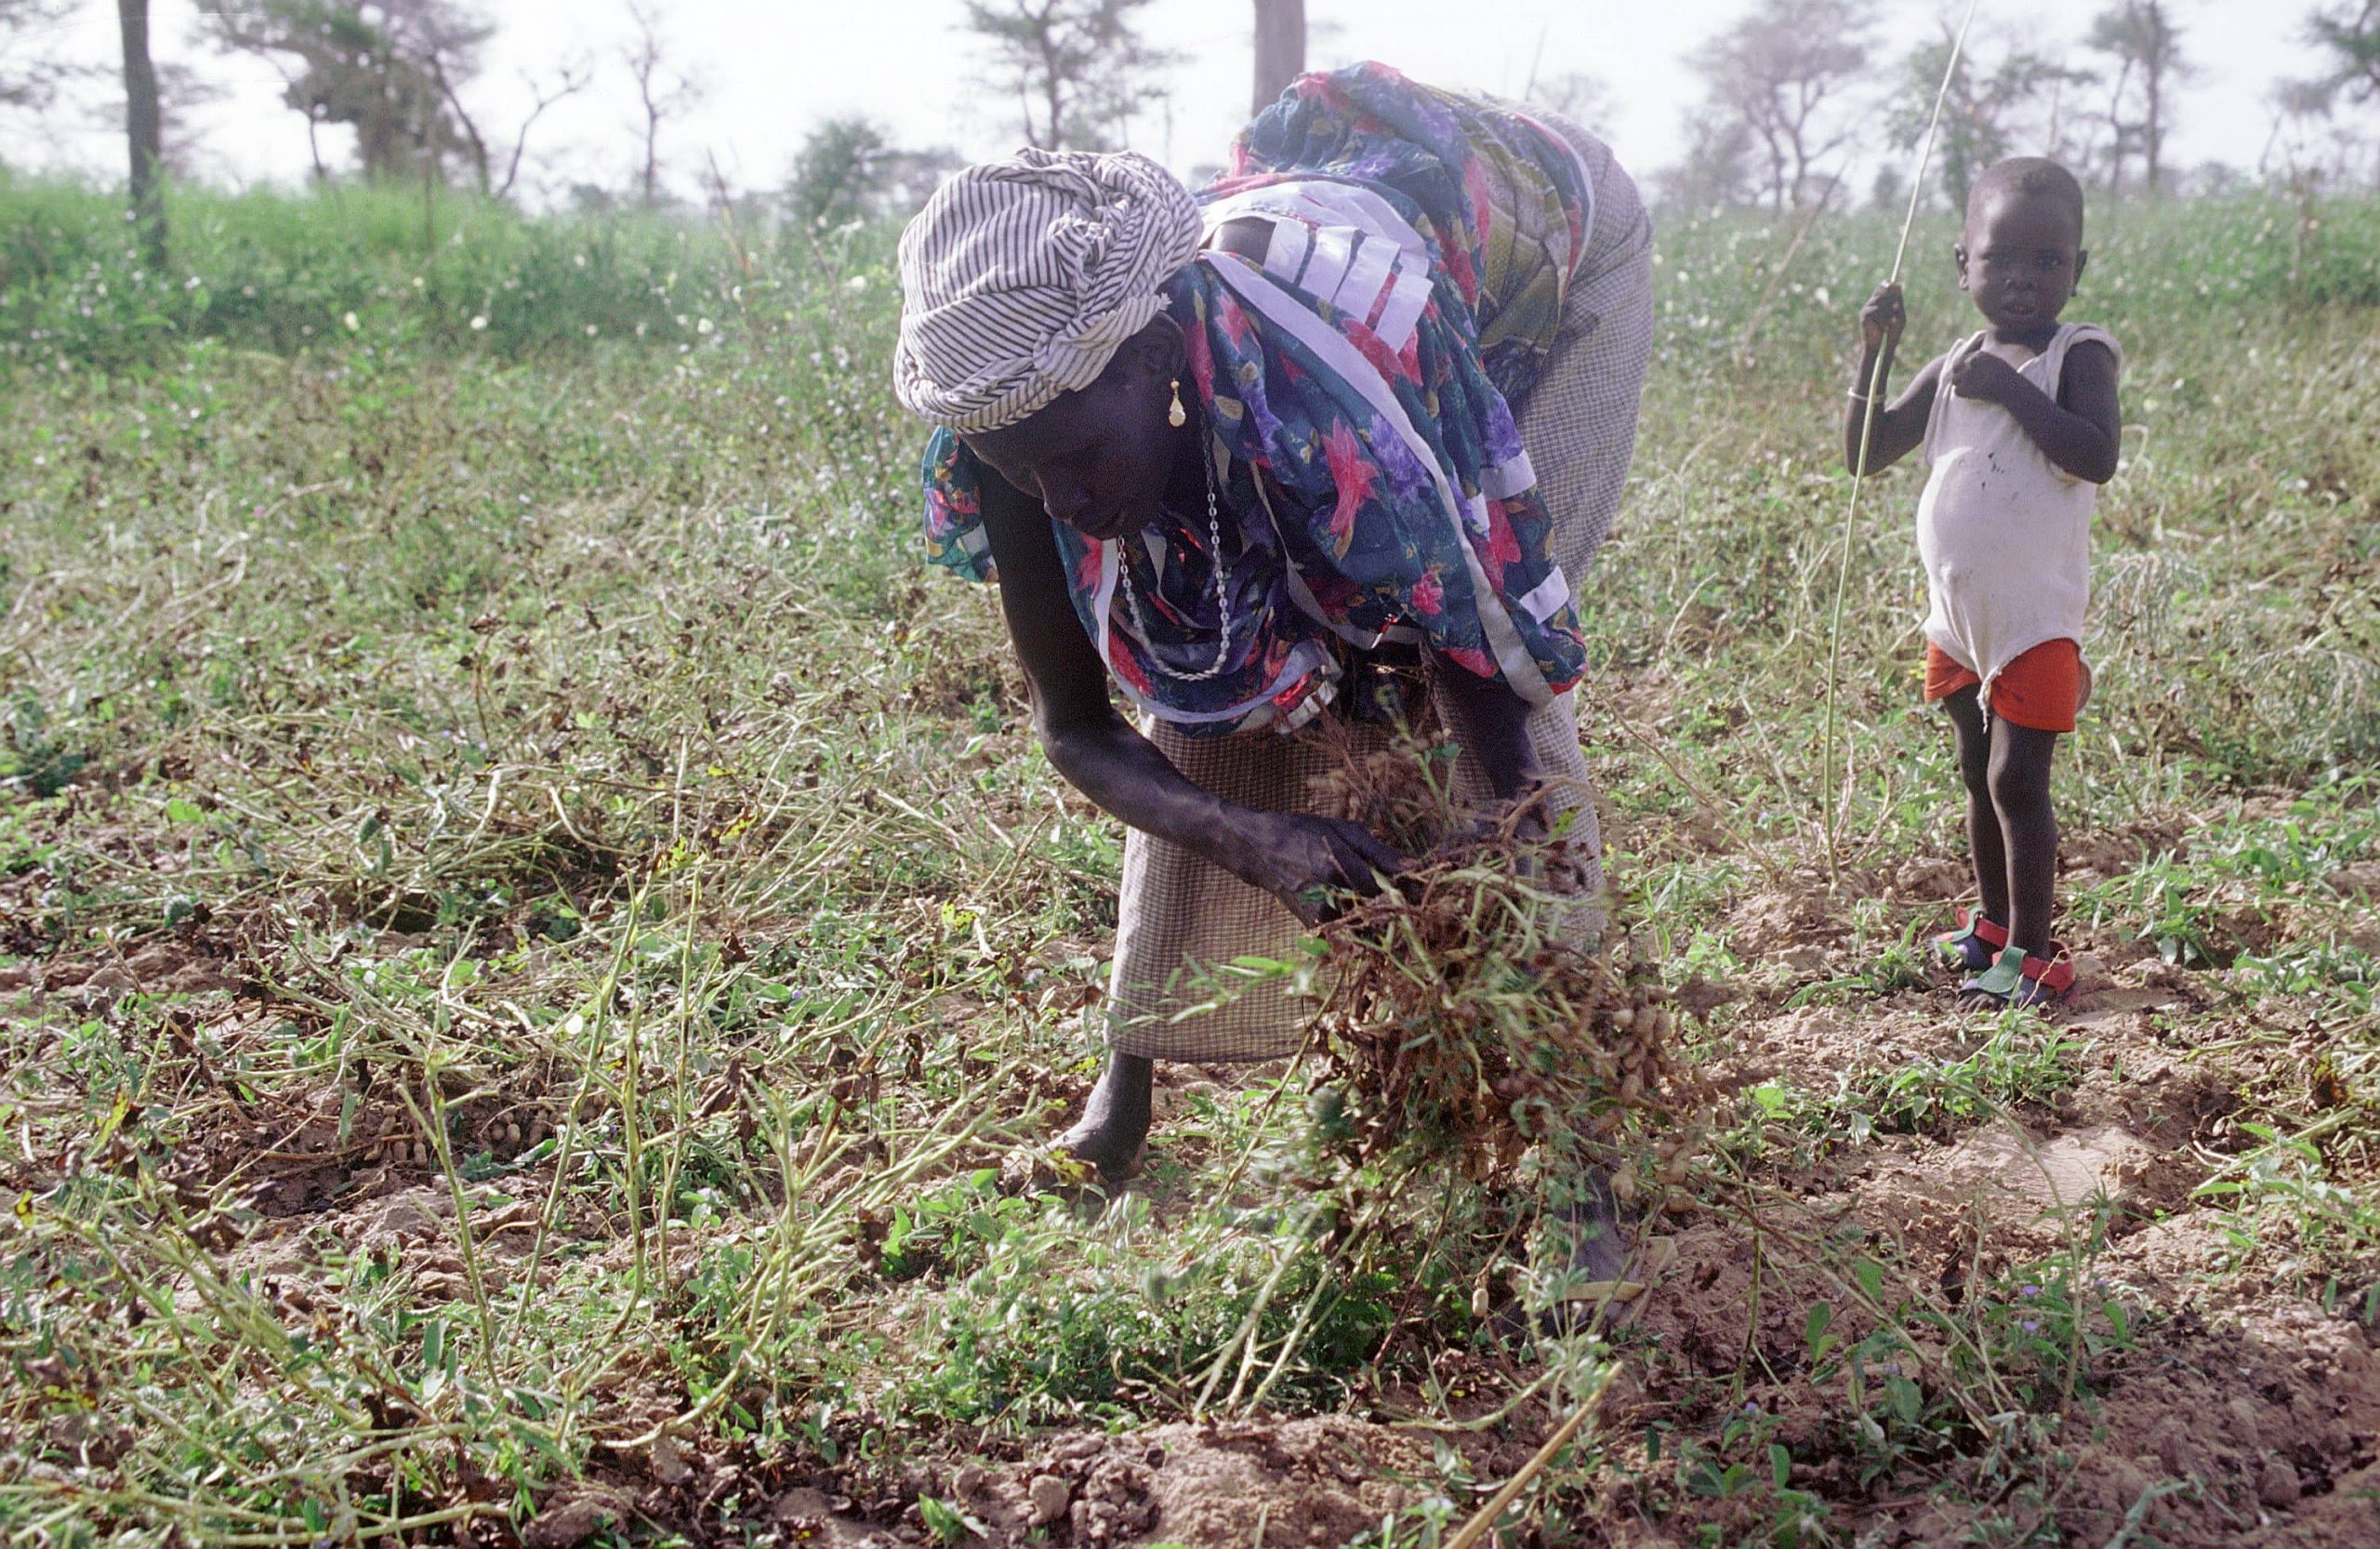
pixel 1182 919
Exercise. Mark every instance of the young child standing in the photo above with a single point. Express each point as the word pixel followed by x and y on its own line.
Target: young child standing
pixel 2020 425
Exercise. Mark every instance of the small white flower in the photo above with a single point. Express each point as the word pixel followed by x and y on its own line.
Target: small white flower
pixel 351 323
pixel 703 326
pixel 590 330
pixel 191 283
pixel 419 282
pixel 479 322
pixel 857 282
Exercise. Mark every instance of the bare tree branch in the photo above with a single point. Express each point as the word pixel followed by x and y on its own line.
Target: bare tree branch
pixel 1083 59
pixel 1778 71
pixel 29 78
pixel 571 80
pixel 661 93
pixel 2141 36
pixel 391 69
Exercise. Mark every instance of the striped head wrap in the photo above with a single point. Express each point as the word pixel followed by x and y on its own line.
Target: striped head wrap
pixel 1021 278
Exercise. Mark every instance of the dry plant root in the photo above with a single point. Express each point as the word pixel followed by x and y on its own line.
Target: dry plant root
pixel 1469 1019
pixel 1473 1042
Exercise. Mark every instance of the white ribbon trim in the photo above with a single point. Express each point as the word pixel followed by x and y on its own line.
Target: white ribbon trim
pixel 1503 638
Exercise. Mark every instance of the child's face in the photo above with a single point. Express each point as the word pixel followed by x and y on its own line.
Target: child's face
pixel 2021 258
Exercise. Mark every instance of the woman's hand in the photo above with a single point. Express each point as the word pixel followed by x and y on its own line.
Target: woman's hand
pixel 1313 865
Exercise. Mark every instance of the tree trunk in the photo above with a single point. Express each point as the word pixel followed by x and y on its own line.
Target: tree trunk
pixel 1053 95
pixel 652 179
pixel 143 128
pixel 2119 133
pixel 472 143
pixel 1280 48
pixel 2152 136
pixel 2153 83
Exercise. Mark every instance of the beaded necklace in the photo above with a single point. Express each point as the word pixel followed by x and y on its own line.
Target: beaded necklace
pixel 1222 594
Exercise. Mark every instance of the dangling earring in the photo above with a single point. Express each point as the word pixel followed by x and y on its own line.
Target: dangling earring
pixel 1177 416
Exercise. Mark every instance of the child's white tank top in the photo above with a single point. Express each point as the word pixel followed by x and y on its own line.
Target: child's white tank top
pixel 2004 533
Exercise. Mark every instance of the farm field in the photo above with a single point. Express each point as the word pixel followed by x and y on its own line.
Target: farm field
pixel 536 949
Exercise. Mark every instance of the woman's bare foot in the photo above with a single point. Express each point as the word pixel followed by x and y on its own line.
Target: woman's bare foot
pixel 1112 1137
pixel 1597 1242
pixel 1592 1275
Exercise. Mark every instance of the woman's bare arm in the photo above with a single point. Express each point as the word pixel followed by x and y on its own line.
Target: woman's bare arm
pixel 1491 722
pixel 1295 858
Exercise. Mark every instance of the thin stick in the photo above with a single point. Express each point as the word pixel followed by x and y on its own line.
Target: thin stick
pixel 435 1124
pixel 1867 430
pixel 1483 1520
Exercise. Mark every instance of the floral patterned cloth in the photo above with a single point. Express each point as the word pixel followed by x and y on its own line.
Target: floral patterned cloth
pixel 1361 438
pixel 1503 198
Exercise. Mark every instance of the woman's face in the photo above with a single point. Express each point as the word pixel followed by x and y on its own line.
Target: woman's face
pixel 1098 458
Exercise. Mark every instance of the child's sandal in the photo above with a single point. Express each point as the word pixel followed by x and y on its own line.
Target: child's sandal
pixel 2018 978
pixel 1977 943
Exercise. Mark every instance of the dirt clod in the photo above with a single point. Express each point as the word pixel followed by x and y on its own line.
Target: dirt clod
pixel 1049 1496
pixel 669 1464
pixel 2278 1487
pixel 569 1523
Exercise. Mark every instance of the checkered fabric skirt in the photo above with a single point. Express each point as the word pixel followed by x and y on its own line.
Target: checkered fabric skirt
pixel 1181 915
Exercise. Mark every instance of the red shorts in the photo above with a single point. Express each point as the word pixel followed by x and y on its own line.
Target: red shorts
pixel 2044 688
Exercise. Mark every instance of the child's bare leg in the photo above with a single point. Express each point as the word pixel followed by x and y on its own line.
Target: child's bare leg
pixel 2019 782
pixel 1965 709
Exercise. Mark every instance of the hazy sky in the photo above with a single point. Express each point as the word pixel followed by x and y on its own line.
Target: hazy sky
pixel 772 69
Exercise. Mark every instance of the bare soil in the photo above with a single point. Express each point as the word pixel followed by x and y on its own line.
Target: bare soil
pixel 2245 1411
